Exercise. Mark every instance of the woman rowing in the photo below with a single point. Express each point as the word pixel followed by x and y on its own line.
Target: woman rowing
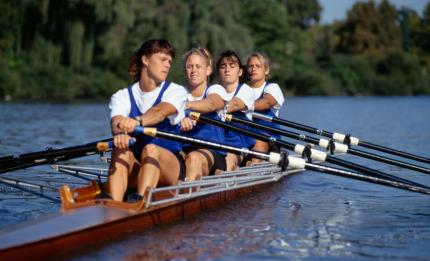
pixel 268 96
pixel 150 101
pixel 207 100
pixel 240 102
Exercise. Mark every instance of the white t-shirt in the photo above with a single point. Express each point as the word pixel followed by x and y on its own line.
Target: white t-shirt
pixel 246 95
pixel 213 89
pixel 274 90
pixel 175 94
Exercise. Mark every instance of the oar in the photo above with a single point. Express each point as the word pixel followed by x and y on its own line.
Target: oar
pixel 347 139
pixel 282 159
pixel 307 151
pixel 332 146
pixel 10 163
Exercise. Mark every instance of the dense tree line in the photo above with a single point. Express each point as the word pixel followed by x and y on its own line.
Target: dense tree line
pixel 78 49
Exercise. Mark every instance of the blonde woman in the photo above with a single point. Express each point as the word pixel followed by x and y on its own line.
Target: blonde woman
pixel 268 96
pixel 207 100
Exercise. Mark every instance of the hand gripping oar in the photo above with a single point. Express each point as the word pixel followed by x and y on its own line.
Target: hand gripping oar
pixel 347 139
pixel 281 159
pixel 307 151
pixel 10 163
pixel 330 146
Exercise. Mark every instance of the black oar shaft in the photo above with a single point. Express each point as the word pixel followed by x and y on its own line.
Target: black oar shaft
pixel 393 151
pixel 387 160
pixel 293 147
pixel 372 172
pixel 201 143
pixel 358 176
pixel 292 162
pixel 317 141
pixel 335 136
pixel 10 163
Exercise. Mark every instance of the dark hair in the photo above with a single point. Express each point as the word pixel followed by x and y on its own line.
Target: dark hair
pixel 148 48
pixel 231 56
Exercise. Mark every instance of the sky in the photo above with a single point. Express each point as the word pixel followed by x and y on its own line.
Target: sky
pixel 336 9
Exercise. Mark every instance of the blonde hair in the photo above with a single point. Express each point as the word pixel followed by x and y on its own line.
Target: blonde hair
pixel 199 51
pixel 262 57
pixel 202 52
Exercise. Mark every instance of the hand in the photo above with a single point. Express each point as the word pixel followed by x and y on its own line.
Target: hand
pixel 128 124
pixel 187 124
pixel 122 141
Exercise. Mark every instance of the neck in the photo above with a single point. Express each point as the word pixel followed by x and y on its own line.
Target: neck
pixel 147 83
pixel 257 84
pixel 231 87
pixel 198 90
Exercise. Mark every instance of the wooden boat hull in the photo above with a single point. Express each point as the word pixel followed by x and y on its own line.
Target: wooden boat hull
pixel 63 233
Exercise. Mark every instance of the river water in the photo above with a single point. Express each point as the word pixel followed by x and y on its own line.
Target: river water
pixel 307 216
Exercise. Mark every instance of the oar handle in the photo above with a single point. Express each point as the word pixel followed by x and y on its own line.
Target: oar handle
pixel 104 146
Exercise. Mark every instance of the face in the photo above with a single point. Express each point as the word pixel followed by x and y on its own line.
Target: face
pixel 256 70
pixel 158 65
pixel 196 70
pixel 229 71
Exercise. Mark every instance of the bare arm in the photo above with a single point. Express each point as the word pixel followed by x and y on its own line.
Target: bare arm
pixel 115 123
pixel 236 104
pixel 157 114
pixel 152 117
pixel 265 103
pixel 212 102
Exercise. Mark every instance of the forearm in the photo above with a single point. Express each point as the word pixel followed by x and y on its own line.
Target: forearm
pixel 205 106
pixel 154 116
pixel 262 104
pixel 114 125
pixel 234 105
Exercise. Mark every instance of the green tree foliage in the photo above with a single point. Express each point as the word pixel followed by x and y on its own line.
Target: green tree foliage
pixel 409 22
pixel 369 28
pixel 303 13
pixel 67 50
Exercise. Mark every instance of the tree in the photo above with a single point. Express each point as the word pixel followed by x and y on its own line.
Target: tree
pixel 409 24
pixel 368 28
pixel 303 13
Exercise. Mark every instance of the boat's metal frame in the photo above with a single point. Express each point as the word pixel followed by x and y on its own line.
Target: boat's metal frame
pixel 85 220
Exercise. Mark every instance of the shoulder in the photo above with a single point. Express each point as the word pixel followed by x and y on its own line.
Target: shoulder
pixel 176 92
pixel 273 86
pixel 122 93
pixel 176 87
pixel 246 89
pixel 216 88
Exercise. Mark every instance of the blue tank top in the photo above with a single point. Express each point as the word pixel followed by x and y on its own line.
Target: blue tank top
pixel 165 125
pixel 207 131
pixel 267 112
pixel 236 139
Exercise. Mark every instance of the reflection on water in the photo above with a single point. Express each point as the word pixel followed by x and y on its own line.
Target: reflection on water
pixel 307 216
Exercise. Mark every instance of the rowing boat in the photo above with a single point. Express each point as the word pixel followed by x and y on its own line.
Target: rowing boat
pixel 85 220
